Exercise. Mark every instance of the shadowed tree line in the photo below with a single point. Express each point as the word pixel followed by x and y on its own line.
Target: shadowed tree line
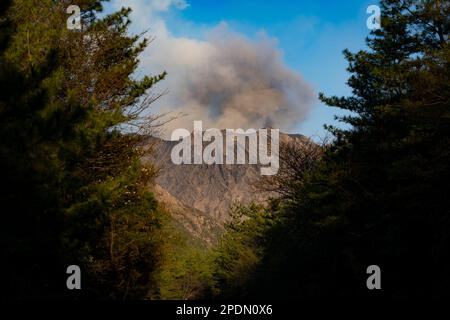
pixel 74 190
pixel 375 195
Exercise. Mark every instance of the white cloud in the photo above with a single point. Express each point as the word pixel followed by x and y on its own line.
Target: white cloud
pixel 226 80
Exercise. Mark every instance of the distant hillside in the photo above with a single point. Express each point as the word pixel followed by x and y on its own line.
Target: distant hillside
pixel 200 196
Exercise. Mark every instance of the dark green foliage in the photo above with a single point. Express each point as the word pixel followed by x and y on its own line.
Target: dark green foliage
pixel 241 249
pixel 379 194
pixel 73 188
pixel 186 270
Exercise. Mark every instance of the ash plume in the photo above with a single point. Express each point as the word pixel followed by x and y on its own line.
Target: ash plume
pixel 238 83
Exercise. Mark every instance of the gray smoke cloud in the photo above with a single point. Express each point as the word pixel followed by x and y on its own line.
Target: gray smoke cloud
pixel 245 84
pixel 225 80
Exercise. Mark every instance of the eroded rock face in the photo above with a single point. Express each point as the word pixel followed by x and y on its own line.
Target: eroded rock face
pixel 207 189
pixel 195 222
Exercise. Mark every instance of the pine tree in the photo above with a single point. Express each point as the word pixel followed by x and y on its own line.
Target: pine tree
pixel 75 188
pixel 389 169
pixel 378 194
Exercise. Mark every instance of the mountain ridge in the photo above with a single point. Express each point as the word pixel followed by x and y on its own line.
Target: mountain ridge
pixel 199 196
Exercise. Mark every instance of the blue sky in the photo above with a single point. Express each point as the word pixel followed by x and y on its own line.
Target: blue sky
pixel 310 36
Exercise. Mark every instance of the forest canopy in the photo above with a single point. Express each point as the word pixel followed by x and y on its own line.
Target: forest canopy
pixel 76 191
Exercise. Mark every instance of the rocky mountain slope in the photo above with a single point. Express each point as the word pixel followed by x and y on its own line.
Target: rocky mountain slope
pixel 200 196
